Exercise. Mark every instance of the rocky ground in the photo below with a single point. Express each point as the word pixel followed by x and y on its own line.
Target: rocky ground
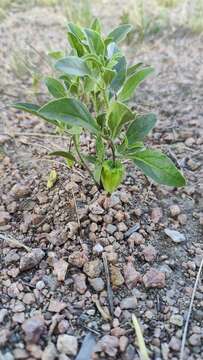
pixel 75 264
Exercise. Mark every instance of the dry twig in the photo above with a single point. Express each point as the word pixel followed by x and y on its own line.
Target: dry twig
pixel 189 312
pixel 109 289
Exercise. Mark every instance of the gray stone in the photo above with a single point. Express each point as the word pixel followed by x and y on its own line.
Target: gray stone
pixel 175 235
pixel 67 344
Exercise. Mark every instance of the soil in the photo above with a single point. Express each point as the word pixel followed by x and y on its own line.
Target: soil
pixel 54 242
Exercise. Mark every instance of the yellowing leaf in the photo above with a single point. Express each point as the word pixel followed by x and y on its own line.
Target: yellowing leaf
pixel 52 179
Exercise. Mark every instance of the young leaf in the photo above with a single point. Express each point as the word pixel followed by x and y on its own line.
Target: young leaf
pixel 75 43
pixel 96 25
pixel 70 111
pixel 76 30
pixel 95 42
pixel 132 82
pixel 119 114
pixel 73 65
pixel 140 127
pixel 159 167
pixel 100 149
pixel 108 75
pixel 55 87
pixel 120 76
pixel 119 33
pixel 56 55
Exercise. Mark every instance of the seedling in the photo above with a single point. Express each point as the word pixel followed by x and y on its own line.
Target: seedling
pixel 90 94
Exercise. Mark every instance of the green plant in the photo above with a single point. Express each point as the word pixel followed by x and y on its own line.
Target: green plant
pixel 90 94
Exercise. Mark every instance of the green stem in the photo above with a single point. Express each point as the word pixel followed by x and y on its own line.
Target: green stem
pixel 83 161
pixel 106 102
pixel 113 152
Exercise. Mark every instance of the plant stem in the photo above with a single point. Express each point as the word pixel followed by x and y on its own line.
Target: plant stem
pixel 83 161
pixel 106 102
pixel 113 151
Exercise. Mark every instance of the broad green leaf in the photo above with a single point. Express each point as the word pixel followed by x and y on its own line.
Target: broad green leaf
pixel 96 25
pixel 73 65
pixel 119 114
pixel 69 111
pixel 52 179
pixel 120 76
pixel 55 87
pixel 76 30
pixel 75 44
pixel 159 167
pixel 132 82
pixel 95 42
pixel 56 55
pixel 132 69
pixel 62 153
pixel 108 75
pixel 119 33
pixel 140 127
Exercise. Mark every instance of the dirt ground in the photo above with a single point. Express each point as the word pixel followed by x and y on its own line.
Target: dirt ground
pixel 55 244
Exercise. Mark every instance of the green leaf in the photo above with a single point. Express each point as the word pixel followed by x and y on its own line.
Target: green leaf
pixel 70 111
pixel 70 159
pixel 159 167
pixel 64 154
pixel 132 82
pixel 56 55
pixel 31 108
pixel 119 33
pixel 108 75
pixel 96 25
pixel 120 76
pixel 140 127
pixel 55 87
pixel 73 65
pixel 97 172
pixel 100 149
pixel 95 42
pixel 75 43
pixel 132 69
pixel 76 30
pixel 119 114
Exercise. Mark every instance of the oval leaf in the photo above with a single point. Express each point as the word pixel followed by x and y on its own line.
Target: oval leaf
pixel 55 87
pixel 140 127
pixel 33 109
pixel 159 167
pixel 119 33
pixel 69 111
pixel 132 82
pixel 72 65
